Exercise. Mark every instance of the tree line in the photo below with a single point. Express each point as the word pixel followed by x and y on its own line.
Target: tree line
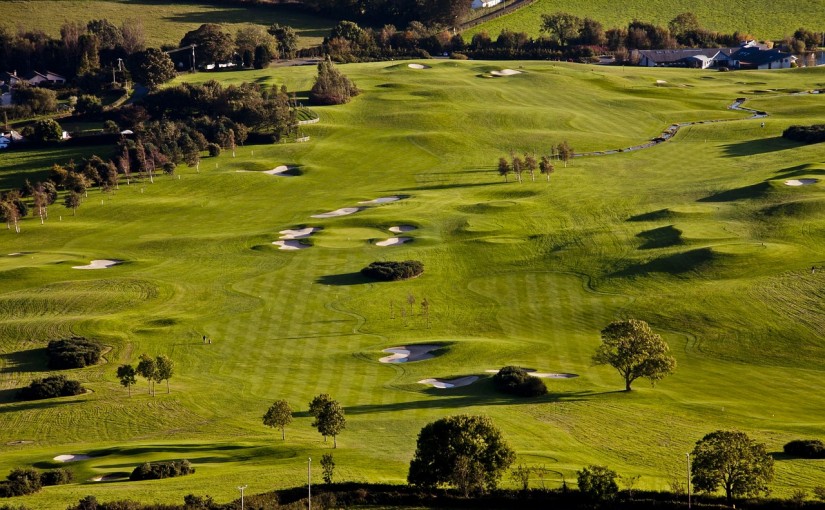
pixel 327 412
pixel 517 164
pixel 158 369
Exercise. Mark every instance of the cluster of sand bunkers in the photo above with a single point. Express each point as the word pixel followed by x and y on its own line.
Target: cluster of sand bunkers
pixel 422 352
pixel 291 238
pixel 498 73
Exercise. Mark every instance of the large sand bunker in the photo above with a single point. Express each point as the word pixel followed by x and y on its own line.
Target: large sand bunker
pixel 402 228
pixel 505 72
pixel 541 375
pixel 279 170
pixel 298 233
pixel 444 384
pixel 290 244
pixel 407 353
pixel 417 66
pixel 382 200
pixel 801 182
pixel 99 264
pixel 393 241
pixel 71 458
pixel 338 212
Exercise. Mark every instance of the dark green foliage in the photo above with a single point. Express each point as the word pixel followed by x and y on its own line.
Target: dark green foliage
pixel 19 482
pixel 517 381
pixel 392 271
pixel 214 150
pixel 159 470
pixel 35 100
pixel 74 352
pixel 331 87
pixel 59 476
pixel 213 45
pixel 732 460
pixel 50 387
pixel 88 105
pixel 328 467
pixel 472 443
pixel 44 131
pixel 151 67
pixel 806 448
pixel 807 134
pixel 598 483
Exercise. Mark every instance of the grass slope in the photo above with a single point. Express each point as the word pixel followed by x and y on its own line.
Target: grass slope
pixel 699 236
pixel 760 19
pixel 164 22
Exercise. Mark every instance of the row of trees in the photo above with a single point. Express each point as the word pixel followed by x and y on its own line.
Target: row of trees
pixel 328 416
pixel 255 45
pixel 158 369
pixel 528 163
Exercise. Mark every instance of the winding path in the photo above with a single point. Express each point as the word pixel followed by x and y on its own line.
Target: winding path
pixel 671 131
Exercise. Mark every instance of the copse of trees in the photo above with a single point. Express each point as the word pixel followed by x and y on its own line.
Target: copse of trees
pixel 73 352
pixel 430 12
pixel 806 134
pixel 329 417
pixel 23 481
pixel 805 448
pixel 331 86
pixel 50 387
pixel 518 381
pixel 160 470
pixel 393 271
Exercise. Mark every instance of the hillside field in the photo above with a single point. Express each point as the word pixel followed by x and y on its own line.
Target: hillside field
pixel 700 236
pixel 762 20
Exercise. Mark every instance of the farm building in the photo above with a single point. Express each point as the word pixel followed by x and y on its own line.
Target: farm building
pixel 747 56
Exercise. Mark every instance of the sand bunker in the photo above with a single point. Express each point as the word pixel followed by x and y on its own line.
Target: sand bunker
pixel 290 244
pixel 402 228
pixel 542 375
pixel 338 212
pixel 417 66
pixel 660 82
pixel 801 182
pixel 300 233
pixel 99 264
pixel 110 476
pixel 407 353
pixel 279 170
pixel 444 384
pixel 505 72
pixel 393 241
pixel 382 200
pixel 71 458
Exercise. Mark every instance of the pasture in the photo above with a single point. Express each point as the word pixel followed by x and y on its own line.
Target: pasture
pixel 700 236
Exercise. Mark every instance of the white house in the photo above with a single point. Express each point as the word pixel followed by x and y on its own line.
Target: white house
pixel 481 4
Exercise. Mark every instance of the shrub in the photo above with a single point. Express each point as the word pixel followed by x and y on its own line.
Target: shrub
pixel 598 483
pixel 807 134
pixel 458 56
pixel 20 481
pixel 58 476
pixel 50 387
pixel 331 87
pixel 158 470
pixel 392 271
pixel 806 448
pixel 214 150
pixel 518 381
pixel 74 352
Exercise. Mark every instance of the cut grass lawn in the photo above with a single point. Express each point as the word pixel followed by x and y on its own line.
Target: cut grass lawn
pixel 699 236
pixel 163 22
pixel 761 20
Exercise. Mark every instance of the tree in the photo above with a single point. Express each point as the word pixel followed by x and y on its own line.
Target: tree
pixel 151 67
pixel 212 44
pixel 634 351
pixel 598 483
pixel 682 24
pixel 126 374
pixel 562 27
pixel 504 167
pixel 72 201
pixel 565 152
pixel 443 443
pixel 247 39
pixel 331 87
pixel 45 131
pixel 279 415
pixel 164 369
pixel 546 167
pixel 731 459
pixel 328 467
pixel 518 167
pixel 88 104
pixel 286 38
pixel 330 420
pixel 261 58
pixel 10 214
pixel 146 368
pixel 530 165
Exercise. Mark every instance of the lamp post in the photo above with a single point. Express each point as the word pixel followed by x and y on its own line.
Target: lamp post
pixel 309 483
pixel 241 488
pixel 687 455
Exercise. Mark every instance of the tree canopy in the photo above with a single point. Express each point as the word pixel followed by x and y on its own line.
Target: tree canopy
pixel 331 87
pixel 732 460
pixel 151 68
pixel 330 420
pixel 279 415
pixel 634 351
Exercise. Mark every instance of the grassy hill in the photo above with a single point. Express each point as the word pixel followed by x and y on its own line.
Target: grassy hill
pixel 700 236
pixel 164 22
pixel 763 20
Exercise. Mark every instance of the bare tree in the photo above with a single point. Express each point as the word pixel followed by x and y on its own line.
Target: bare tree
pixel 411 302
pixel 546 166
pixel 518 167
pixel 530 165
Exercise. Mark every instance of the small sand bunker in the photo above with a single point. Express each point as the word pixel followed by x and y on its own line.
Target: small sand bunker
pixel 382 200
pixel 402 228
pixel 801 182
pixel 338 212
pixel 417 66
pixel 99 264
pixel 71 458
pixel 505 72
pixel 393 241
pixel 279 170
pixel 300 233
pixel 15 254
pixel 290 244
pixel 407 353
pixel 110 476
pixel 542 375
pixel 444 384
pixel 661 82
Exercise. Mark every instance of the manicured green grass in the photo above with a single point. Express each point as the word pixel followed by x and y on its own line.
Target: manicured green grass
pixel 699 236
pixel 163 22
pixel 764 21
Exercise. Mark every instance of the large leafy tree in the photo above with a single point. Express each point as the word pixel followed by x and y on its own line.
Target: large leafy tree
pixel 330 420
pixel 466 451
pixel 279 415
pixel 165 368
pixel 147 368
pixel 151 67
pixel 562 27
pixel 732 460
pixel 287 39
pixel 331 87
pixel 634 351
pixel 213 45
pixel 126 375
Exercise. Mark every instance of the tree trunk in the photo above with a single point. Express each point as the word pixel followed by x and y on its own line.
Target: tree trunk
pixel 129 388
pixel 627 383
pixel 167 386
pixel 335 441
pixel 548 177
pixel 283 434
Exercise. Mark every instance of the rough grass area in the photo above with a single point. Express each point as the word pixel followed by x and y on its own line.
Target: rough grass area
pixel 699 236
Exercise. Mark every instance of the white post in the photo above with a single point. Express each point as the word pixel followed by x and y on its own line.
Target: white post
pixel 242 489
pixel 309 483
pixel 688 477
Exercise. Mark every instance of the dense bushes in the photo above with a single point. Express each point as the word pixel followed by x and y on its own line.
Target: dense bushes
pixel 806 448
pixel 22 481
pixel 158 470
pixel 518 381
pixel 331 87
pixel 74 352
pixel 50 387
pixel 806 134
pixel 393 271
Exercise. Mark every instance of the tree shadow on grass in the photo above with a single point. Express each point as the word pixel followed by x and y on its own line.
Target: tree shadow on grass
pixel 675 264
pixel 759 146
pixel 344 279
pixel 662 237
pixel 11 405
pixel 451 186
pixel 31 360
pixel 661 214
pixel 757 190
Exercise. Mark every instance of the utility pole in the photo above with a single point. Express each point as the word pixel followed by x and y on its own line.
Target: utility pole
pixel 309 483
pixel 688 478
pixel 241 488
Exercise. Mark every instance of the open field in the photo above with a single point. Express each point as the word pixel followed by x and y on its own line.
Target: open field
pixel 762 20
pixel 699 236
pixel 164 22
